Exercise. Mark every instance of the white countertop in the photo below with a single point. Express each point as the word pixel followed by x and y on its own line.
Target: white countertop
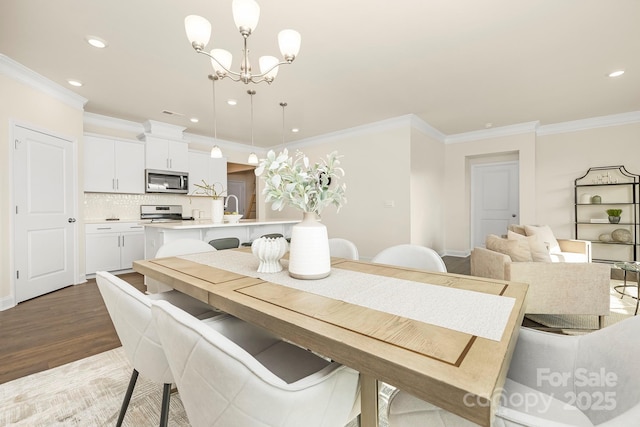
pixel 206 223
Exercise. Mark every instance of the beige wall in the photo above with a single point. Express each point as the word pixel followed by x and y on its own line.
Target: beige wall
pixel 377 169
pixel 27 106
pixel 427 185
pixel 457 197
pixel 564 157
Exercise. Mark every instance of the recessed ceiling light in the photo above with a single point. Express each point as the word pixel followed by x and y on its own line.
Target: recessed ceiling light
pixel 232 102
pixel 74 82
pixel 617 73
pixel 194 120
pixel 96 42
pixel 295 130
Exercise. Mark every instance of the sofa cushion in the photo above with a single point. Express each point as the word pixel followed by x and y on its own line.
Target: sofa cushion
pixel 516 228
pixel 544 233
pixel 538 249
pixel 569 257
pixel 517 250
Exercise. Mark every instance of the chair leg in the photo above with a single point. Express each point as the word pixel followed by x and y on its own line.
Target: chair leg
pixel 127 397
pixel 164 414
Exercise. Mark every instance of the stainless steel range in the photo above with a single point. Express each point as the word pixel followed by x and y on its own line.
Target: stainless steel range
pixel 161 213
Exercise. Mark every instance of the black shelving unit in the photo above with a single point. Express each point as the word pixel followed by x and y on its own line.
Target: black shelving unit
pixel 618 188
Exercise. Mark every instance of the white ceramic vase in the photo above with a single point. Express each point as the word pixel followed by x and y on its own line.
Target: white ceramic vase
pixel 309 249
pixel 269 250
pixel 217 210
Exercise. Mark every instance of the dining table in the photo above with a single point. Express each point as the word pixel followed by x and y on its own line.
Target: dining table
pixel 445 338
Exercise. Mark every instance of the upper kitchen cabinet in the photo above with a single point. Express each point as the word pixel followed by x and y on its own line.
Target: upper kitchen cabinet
pixel 165 154
pixel 113 165
pixel 203 167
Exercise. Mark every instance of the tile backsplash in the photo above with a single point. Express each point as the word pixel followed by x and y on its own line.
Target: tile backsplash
pixel 100 206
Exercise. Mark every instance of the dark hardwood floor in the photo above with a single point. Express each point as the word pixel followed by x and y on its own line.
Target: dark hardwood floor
pixel 57 328
pixel 73 323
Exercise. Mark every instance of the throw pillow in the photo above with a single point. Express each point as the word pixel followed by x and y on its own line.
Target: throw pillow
pixel 544 233
pixel 517 229
pixel 539 251
pixel 517 252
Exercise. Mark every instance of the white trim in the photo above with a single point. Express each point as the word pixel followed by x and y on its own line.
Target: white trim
pixel 382 125
pixel 592 123
pixel 460 254
pixel 112 123
pixel 426 128
pixel 7 302
pixel 476 135
pixel 223 144
pixel 22 74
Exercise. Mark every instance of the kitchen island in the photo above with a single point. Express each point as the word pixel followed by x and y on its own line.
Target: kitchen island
pixel 158 233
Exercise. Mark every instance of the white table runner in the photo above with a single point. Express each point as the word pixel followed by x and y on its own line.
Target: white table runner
pixel 475 313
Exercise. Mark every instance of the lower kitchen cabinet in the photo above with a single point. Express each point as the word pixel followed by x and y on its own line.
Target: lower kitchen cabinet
pixel 113 246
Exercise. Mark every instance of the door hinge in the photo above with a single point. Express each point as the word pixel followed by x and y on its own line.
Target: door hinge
pixel 15 143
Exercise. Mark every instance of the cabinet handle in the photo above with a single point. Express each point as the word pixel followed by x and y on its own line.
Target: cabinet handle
pixel 168 163
pixel 123 241
pixel 117 184
pixel 103 228
pixel 113 183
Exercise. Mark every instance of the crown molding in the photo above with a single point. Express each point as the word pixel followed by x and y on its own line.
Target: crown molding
pixel 427 129
pixel 591 123
pixel 517 129
pixel 112 123
pixel 22 74
pixel 222 143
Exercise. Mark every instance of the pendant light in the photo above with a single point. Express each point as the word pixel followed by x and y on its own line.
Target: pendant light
pixel 253 159
pixel 216 152
pixel 283 104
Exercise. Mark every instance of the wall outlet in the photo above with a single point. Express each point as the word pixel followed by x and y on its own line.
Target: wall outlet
pixel 389 204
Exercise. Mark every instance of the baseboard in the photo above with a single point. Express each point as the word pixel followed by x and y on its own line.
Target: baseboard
pixel 7 302
pixel 461 254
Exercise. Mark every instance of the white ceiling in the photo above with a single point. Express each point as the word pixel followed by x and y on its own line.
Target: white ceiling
pixel 456 64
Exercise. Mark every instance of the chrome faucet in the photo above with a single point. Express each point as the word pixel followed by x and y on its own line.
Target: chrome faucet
pixel 227 202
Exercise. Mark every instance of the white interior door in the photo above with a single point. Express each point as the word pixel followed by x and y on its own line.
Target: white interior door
pixel 494 199
pixel 44 227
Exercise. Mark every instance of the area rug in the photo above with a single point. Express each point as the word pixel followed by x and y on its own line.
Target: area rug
pixel 621 308
pixel 89 393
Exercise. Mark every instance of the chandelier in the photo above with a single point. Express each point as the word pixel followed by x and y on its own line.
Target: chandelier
pixel 245 14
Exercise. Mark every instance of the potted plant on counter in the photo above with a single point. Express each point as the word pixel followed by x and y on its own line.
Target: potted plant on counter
pixel 216 192
pixel 614 215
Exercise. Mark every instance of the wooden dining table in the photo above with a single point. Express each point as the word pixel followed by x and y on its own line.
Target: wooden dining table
pixel 461 371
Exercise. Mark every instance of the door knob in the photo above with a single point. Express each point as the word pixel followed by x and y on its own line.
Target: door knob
pixel 513 215
pixel 71 220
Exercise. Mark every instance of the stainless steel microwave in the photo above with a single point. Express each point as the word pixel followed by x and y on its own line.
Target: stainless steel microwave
pixel 158 181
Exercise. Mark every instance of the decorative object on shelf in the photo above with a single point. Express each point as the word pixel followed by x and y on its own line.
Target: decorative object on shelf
pixel 614 215
pixel 269 250
pixel 585 199
pixel 246 14
pixel 217 199
pixel 605 237
pixel 309 188
pixel 617 188
pixel 621 235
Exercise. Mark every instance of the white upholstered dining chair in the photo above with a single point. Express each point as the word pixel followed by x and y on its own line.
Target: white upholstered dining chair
pixel 343 248
pixel 130 312
pixel 175 248
pixel 555 380
pixel 225 380
pixel 412 256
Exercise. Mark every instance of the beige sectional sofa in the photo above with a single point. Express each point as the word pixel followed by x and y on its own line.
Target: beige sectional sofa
pixel 561 282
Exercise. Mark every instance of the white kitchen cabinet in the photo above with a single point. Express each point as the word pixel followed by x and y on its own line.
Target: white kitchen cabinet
pixel 203 167
pixel 164 154
pixel 113 246
pixel 113 166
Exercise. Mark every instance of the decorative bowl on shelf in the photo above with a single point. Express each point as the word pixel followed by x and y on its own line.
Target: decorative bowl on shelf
pixel 232 218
